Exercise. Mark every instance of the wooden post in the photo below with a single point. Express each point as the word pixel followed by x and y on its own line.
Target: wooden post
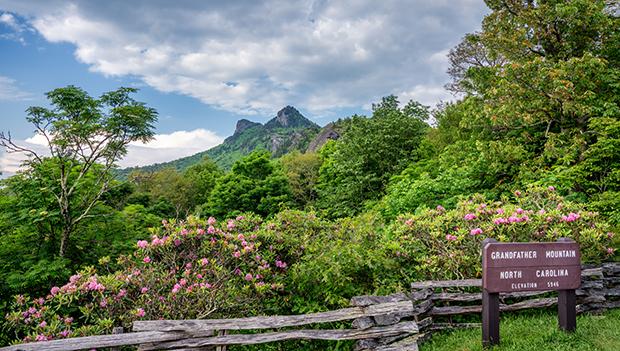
pixel 221 347
pixel 490 312
pixel 567 305
pixel 116 330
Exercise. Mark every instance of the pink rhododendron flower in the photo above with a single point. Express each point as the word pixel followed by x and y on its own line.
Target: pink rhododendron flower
pixel 68 320
pixel 611 250
pixel 440 208
pixel 571 217
pixel 280 264
pixel 610 235
pixel 144 290
pixel 43 324
pixel 518 193
pixel 176 288
pixel 230 225
pixel 476 231
pixel 183 282
pixel 200 231
pixel 240 237
pixel 551 188
pixel 519 210
pixel 542 211
pixel 211 229
pixel 211 221
pixel 513 219
pixel 237 254
pixel 204 262
pixel 409 222
pixel 470 216
pixel 41 337
pixel 143 244
pixel 147 259
pixel 140 312
pixel 103 303
pixel 499 211
pixel 65 333
pixel 248 277
pixel 177 242
pixel 121 293
pixel 74 278
pixel 500 220
pixel 450 237
pixel 240 218
pixel 54 290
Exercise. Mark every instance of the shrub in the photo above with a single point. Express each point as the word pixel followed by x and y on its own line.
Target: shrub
pixel 446 244
pixel 191 269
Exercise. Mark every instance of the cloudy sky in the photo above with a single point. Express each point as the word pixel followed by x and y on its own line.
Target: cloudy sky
pixel 205 64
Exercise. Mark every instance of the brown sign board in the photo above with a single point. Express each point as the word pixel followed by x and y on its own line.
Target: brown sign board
pixel 512 267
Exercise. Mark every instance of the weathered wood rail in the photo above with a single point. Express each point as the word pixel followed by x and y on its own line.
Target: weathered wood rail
pixel 382 323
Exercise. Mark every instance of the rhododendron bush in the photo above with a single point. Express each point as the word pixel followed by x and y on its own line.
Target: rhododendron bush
pixel 446 244
pixel 298 262
pixel 193 269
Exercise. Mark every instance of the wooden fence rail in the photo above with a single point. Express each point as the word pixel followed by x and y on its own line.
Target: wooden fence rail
pixel 395 322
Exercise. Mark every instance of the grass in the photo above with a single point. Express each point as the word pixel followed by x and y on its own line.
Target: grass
pixel 537 331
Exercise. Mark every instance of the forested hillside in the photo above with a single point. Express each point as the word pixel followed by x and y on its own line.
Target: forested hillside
pixel 261 225
pixel 286 132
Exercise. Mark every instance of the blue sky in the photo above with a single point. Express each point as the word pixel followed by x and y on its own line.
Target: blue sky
pixel 204 65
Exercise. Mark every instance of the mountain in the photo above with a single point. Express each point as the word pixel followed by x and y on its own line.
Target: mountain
pixel 289 130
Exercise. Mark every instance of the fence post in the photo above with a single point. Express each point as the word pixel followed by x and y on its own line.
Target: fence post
pixel 221 348
pixel 116 330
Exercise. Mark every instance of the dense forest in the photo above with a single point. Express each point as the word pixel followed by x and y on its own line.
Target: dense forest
pixel 530 151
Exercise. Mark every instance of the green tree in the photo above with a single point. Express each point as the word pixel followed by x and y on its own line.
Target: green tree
pixel 85 136
pixel 302 171
pixel 358 166
pixel 255 184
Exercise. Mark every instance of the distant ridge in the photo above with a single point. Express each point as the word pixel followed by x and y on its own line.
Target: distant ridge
pixel 289 130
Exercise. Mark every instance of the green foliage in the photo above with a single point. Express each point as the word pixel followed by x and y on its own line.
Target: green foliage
pixel 445 244
pixel 255 184
pixel 302 172
pixel 357 167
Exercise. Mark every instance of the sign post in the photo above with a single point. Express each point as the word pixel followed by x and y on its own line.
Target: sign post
pixel 513 267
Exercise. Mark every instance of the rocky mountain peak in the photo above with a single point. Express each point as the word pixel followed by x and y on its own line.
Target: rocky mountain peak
pixel 244 124
pixel 289 117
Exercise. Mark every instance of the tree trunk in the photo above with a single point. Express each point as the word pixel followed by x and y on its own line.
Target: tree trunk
pixel 64 240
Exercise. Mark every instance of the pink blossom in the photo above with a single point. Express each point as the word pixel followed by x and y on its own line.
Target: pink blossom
pixel 517 193
pixel 143 244
pixel 204 262
pixel 183 282
pixel 230 225
pixel 211 229
pixel 440 208
pixel 176 288
pixel 237 254
pixel 43 324
pixel 140 312
pixel 470 216
pixel 240 218
pixel 513 219
pixel 68 320
pixel 240 237
pixel 280 264
pixel 237 271
pixel 500 220
pixel 74 278
pixel 144 290
pixel 121 293
pixel 450 237
pixel 147 259
pixel 610 235
pixel 184 232
pixel 551 188
pixel 41 337
pixel 177 242
pixel 542 211
pixel 499 211
pixel 211 221
pixel 199 276
pixel 200 231
pixel 54 290
pixel 571 217
pixel 103 303
pixel 611 250
pixel 65 333
pixel 409 222
pixel 519 210
pixel 248 277
pixel 476 231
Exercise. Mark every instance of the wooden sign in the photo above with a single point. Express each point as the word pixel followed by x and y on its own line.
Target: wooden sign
pixel 515 267
pixel 512 267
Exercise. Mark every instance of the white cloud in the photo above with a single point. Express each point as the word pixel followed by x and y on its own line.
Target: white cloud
pixel 9 90
pixel 164 147
pixel 257 56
